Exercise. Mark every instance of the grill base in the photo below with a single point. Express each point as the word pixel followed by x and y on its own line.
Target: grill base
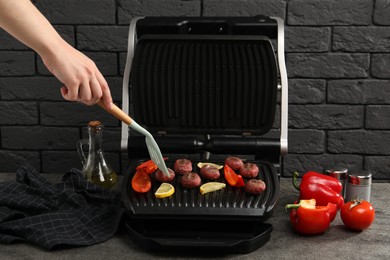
pixel 199 236
pixel 225 221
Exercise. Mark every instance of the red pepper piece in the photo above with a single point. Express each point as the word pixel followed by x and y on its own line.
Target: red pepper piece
pixel 309 219
pixel 240 181
pixel 141 182
pixel 233 178
pixel 311 188
pixel 148 166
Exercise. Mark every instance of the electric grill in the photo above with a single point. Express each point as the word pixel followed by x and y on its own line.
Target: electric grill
pixel 206 88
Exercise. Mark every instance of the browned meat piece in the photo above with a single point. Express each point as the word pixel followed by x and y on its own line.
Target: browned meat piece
pixel 249 170
pixel 161 177
pixel 255 186
pixel 209 172
pixel 234 162
pixel 182 166
pixel 190 180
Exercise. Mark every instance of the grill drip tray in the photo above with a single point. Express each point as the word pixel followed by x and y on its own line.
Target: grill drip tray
pixel 225 221
pixel 199 236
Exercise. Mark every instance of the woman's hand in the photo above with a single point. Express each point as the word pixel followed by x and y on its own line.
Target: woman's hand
pixel 82 80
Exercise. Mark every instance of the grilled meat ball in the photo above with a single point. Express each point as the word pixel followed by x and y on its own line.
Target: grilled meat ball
pixel 249 170
pixel 190 180
pixel 234 162
pixel 255 186
pixel 161 177
pixel 182 166
pixel 209 172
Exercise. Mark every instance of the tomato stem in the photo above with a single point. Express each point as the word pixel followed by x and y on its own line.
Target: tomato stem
pixel 355 203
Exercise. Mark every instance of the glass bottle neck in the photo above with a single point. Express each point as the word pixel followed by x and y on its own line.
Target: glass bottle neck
pixel 95 138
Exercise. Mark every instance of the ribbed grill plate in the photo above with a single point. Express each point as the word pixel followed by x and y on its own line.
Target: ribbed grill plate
pixel 230 201
pixel 204 84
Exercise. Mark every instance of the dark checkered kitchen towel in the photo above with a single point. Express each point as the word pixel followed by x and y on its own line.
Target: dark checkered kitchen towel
pixel 72 212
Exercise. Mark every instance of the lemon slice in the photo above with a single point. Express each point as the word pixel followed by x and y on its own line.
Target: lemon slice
pixel 211 186
pixel 165 190
pixel 201 164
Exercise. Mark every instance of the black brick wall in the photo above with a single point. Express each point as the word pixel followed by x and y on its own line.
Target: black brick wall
pixel 338 60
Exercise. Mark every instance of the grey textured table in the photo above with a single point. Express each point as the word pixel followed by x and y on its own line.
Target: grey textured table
pixel 336 243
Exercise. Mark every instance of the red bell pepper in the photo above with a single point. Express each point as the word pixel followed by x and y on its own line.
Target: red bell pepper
pixel 309 219
pixel 141 182
pixel 326 180
pixel 324 189
pixel 232 177
pixel 148 167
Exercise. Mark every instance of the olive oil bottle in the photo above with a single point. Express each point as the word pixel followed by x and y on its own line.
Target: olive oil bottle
pixel 95 167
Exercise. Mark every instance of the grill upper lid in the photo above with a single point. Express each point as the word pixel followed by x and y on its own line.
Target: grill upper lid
pixel 211 84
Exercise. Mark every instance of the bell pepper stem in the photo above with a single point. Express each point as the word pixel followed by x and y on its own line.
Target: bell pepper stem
pixel 308 204
pixel 294 180
pixel 292 206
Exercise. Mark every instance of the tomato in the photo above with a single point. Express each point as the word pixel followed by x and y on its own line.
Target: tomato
pixel 357 214
pixel 141 182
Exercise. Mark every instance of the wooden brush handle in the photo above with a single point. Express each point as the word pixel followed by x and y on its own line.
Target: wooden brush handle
pixel 117 112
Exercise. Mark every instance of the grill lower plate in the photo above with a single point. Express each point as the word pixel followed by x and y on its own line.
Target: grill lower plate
pixel 228 202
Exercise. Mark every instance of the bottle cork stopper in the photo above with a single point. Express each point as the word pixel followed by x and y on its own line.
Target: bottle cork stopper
pixel 94 123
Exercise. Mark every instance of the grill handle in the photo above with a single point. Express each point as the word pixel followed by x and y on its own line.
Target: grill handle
pixel 262 148
pixel 257 25
pixel 239 145
pixel 168 145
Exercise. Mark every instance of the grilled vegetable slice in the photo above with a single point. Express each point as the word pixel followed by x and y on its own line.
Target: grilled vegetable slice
pixel 211 186
pixel 148 167
pixel 141 182
pixel 233 178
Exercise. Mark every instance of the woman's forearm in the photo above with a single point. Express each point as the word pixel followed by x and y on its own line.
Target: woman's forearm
pixel 22 19
pixel 82 80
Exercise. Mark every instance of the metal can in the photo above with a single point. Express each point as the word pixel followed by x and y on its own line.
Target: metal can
pixel 341 175
pixel 358 186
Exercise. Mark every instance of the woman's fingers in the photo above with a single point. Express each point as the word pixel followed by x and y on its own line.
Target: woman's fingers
pixel 96 92
pixel 64 92
pixel 88 92
pixel 106 93
pixel 73 92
